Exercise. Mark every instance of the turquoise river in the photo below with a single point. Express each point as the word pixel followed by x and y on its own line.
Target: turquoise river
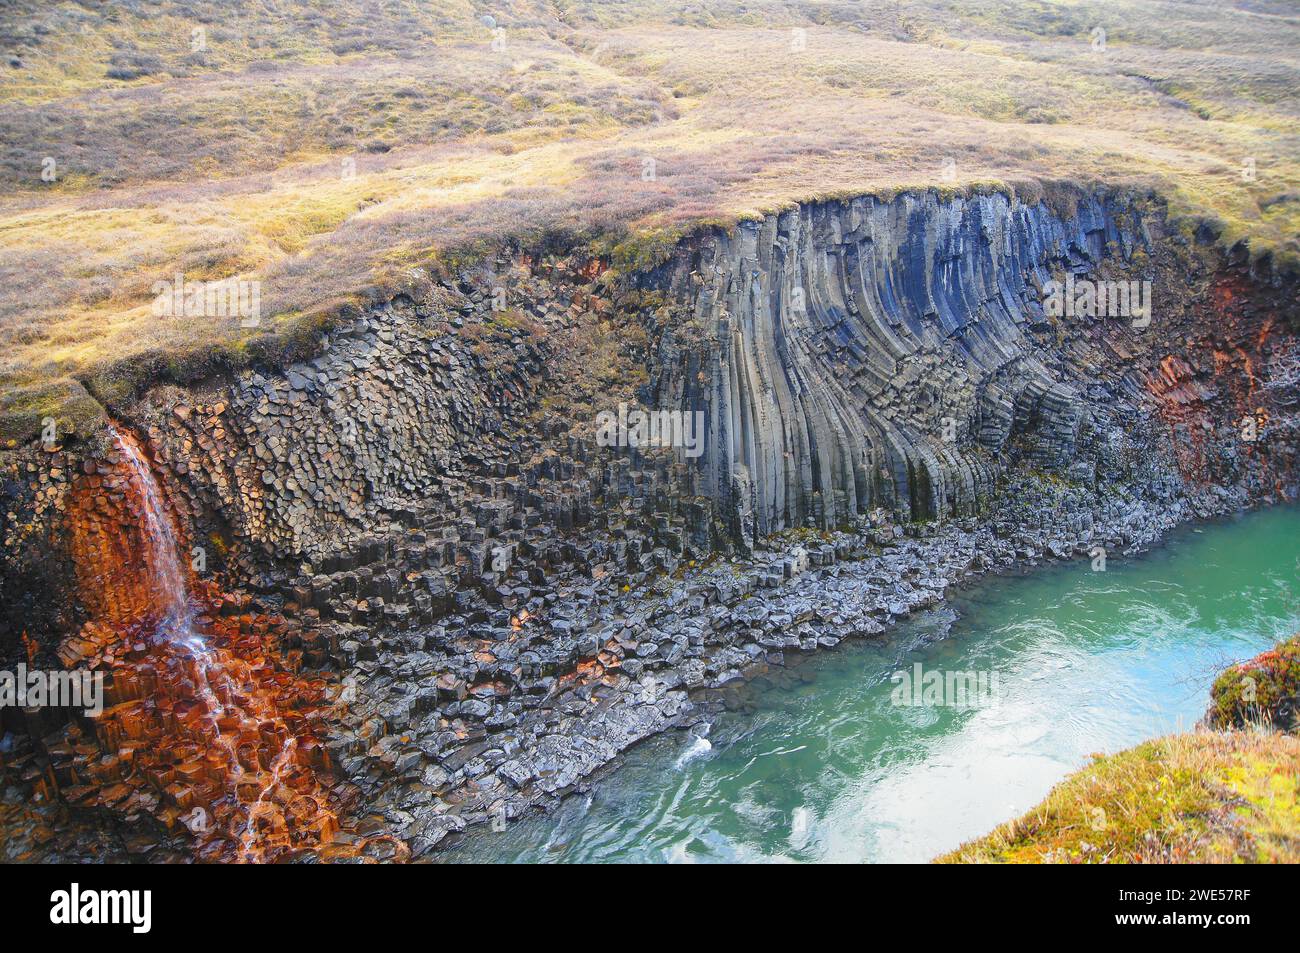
pixel 823 765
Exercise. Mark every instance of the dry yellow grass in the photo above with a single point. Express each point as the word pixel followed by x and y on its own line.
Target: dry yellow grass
pixel 327 149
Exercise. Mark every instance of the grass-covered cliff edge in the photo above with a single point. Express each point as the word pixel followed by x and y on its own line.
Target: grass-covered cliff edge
pixel 1228 792
pixel 327 150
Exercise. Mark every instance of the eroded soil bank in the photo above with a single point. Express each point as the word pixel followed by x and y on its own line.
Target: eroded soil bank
pixel 421 516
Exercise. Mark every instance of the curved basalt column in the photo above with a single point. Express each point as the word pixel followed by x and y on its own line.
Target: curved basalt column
pixel 873 353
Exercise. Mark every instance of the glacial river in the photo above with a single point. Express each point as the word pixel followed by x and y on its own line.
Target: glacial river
pixel 828 767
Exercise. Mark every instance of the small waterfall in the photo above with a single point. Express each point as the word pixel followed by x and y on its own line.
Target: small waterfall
pixel 167 580
pixel 233 735
pixel 177 627
pixel 163 563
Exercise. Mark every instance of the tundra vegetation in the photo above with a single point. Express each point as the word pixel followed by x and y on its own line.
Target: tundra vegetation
pixel 326 150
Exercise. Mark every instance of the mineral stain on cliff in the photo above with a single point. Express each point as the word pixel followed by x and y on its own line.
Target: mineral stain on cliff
pixel 211 727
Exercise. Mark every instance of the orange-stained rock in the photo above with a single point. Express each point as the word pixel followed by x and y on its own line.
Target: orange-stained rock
pixel 222 739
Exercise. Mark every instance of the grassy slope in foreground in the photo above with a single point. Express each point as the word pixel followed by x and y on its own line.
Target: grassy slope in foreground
pixel 326 150
pixel 1204 797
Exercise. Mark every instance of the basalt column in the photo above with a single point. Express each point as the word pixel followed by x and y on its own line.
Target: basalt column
pixel 874 353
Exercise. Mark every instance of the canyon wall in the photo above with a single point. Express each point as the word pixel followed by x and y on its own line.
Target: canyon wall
pixel 845 356
pixel 425 505
pixel 873 353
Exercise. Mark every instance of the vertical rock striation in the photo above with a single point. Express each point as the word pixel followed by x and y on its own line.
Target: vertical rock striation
pixel 875 353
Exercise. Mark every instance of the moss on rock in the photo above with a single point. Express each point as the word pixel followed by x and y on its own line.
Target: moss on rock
pixel 1264 690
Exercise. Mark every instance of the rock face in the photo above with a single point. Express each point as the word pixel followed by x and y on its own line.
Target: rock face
pixel 510 601
pixel 880 353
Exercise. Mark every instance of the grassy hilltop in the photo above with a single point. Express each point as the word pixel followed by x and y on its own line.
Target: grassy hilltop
pixel 325 149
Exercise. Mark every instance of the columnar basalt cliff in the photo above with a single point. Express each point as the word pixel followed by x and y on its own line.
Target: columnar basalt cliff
pixel 889 408
pixel 869 354
pixel 843 336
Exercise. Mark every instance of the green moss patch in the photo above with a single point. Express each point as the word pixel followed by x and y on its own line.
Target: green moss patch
pixel 1263 691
